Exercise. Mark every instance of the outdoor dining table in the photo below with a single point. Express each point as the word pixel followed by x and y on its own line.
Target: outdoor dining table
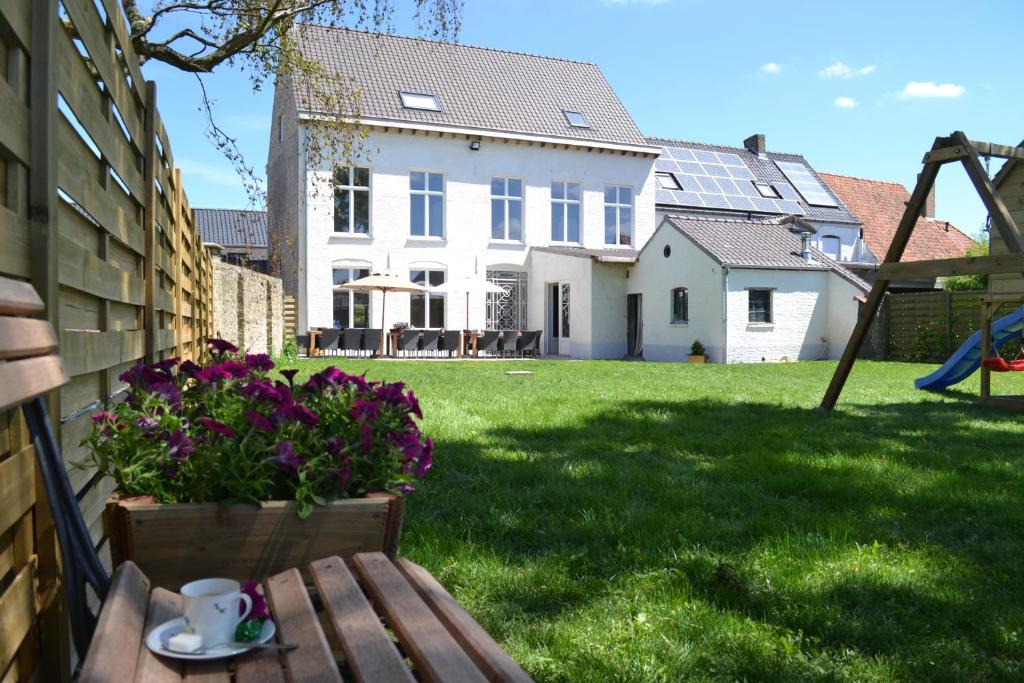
pixel 342 633
pixel 313 334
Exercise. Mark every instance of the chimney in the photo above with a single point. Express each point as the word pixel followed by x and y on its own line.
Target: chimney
pixel 805 246
pixel 928 210
pixel 755 144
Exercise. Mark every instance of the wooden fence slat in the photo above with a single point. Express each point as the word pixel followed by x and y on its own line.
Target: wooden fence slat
pixel 89 273
pixel 87 351
pixel 17 610
pixel 17 487
pixel 14 134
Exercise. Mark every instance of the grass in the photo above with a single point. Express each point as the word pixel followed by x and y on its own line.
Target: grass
pixel 614 521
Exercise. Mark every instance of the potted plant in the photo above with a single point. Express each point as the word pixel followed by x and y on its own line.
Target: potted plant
pixel 223 470
pixel 697 353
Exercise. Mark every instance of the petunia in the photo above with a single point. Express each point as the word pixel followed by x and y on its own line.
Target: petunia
pixel 259 421
pixel 366 410
pixel 169 391
pixel 391 394
pixel 217 427
pixel 335 445
pixel 234 369
pixel 179 446
pixel 259 603
pixel 407 488
pixel 342 473
pixel 212 374
pixel 413 404
pixel 221 346
pixel 426 460
pixel 188 369
pixel 299 413
pixel 287 460
pixel 146 423
pixel 290 376
pixel 258 362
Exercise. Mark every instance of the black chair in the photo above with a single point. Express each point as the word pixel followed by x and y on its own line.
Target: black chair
pixel 328 340
pixel 488 342
pixel 302 341
pixel 408 340
pixel 352 340
pixel 429 341
pixel 371 341
pixel 450 341
pixel 528 343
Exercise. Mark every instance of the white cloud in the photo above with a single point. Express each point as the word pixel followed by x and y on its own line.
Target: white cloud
pixel 770 68
pixel 931 90
pixel 840 70
pixel 845 102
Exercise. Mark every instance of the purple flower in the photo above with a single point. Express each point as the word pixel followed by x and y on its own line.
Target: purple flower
pixel 259 421
pixel 212 374
pixel 392 394
pixel 234 369
pixel 414 405
pixel 366 410
pixel 342 473
pixel 299 413
pixel 287 460
pixel 409 444
pixel 179 446
pixel 406 488
pixel 365 437
pixel 169 391
pixel 188 369
pixel 146 423
pixel 165 365
pixel 221 346
pixel 426 460
pixel 217 427
pixel 101 417
pixel 335 445
pixel 259 603
pixel 290 376
pixel 259 362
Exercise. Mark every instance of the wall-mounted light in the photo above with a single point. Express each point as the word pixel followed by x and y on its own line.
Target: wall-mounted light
pixel 475 145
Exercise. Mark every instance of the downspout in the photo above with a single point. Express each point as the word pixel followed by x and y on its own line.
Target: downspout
pixel 725 314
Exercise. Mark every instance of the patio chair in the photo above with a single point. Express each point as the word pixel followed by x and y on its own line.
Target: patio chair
pixel 527 343
pixel 302 341
pixel 371 342
pixel 408 340
pixel 352 340
pixel 450 341
pixel 430 340
pixel 32 369
pixel 488 342
pixel 328 340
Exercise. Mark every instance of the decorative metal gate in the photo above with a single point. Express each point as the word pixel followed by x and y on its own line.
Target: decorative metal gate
pixel 507 311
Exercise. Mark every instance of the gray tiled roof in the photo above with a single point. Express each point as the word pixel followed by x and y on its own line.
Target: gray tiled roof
pixel 766 171
pixel 617 255
pixel 759 243
pixel 232 227
pixel 478 88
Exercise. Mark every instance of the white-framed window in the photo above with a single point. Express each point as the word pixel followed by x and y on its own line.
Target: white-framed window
pixel 680 306
pixel 417 100
pixel 426 204
pixel 831 246
pixel 759 305
pixel 427 309
pixel 618 215
pixel 507 209
pixel 766 190
pixel 351 309
pixel 352 200
pixel 576 119
pixel 565 212
pixel 667 181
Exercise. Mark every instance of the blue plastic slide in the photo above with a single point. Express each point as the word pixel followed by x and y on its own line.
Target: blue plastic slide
pixel 967 358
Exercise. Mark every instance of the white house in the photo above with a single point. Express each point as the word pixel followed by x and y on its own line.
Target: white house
pixel 474 157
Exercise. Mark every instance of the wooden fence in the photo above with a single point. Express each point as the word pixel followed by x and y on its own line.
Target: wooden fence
pixel 926 327
pixel 93 214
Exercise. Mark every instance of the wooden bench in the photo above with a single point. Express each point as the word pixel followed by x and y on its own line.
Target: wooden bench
pixel 387 621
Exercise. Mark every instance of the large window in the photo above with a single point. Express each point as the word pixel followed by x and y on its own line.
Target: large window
pixel 426 204
pixel 618 215
pixel 565 212
pixel 759 305
pixel 351 309
pixel 830 244
pixel 352 200
pixel 680 306
pixel 507 209
pixel 427 309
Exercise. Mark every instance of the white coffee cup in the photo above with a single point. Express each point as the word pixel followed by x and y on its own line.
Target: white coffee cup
pixel 211 609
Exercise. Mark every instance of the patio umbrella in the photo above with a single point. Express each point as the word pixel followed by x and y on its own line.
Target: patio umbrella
pixel 469 285
pixel 382 283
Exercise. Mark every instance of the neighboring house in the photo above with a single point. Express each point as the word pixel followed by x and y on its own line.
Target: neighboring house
pixel 879 206
pixel 474 157
pixel 1009 183
pixel 236 235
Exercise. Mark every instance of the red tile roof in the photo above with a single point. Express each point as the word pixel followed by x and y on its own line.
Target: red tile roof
pixel 879 206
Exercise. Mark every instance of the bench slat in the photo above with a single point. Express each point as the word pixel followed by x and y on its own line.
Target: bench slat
pixel 115 646
pixel 214 671
pixel 19 298
pixel 150 668
pixel 259 666
pixel 436 654
pixel 21 380
pixel 311 661
pixel 370 654
pixel 492 659
pixel 23 337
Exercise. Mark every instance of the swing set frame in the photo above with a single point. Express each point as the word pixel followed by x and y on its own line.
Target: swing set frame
pixel 954 148
pixel 990 306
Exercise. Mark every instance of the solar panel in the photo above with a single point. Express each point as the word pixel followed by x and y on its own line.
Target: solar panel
pixel 806 184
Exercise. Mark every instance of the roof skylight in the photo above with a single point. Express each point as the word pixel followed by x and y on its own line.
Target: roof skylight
pixel 667 181
pixel 766 190
pixel 422 101
pixel 575 119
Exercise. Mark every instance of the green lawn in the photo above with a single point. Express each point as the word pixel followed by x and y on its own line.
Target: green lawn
pixel 615 521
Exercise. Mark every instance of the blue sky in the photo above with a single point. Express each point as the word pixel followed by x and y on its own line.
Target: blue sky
pixel 860 88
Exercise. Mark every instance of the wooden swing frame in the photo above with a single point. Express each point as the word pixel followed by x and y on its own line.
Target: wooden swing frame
pixel 956 147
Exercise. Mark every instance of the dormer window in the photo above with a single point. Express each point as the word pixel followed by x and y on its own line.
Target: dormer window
pixel 575 119
pixel 767 191
pixel 421 101
pixel 667 181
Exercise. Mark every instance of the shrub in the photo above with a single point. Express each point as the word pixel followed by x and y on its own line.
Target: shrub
pixel 697 349
pixel 226 431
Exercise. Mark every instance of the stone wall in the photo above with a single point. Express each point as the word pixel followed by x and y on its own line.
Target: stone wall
pixel 248 308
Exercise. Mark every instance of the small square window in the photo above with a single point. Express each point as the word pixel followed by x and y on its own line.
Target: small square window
pixel 759 305
pixel 766 190
pixel 576 119
pixel 412 100
pixel 680 306
pixel 667 181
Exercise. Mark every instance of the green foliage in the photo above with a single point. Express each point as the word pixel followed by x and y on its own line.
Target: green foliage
pixel 696 348
pixel 963 283
pixel 289 351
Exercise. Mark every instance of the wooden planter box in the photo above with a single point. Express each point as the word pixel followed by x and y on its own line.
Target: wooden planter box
pixel 696 359
pixel 177 543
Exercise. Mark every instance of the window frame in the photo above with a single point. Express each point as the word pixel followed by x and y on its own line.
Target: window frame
pixel 351 189
pixel 658 175
pixel 352 269
pixel 428 295
pixel 618 206
pixel 426 192
pixel 402 99
pixel 506 199
pixel 564 203
pixel 685 320
pixel 770 311
pixel 839 244
pixel 584 122
pixel 758 185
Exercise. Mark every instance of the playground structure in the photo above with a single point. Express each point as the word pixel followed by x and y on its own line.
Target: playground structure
pixel 956 147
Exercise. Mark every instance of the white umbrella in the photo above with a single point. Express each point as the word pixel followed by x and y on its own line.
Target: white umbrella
pixel 469 285
pixel 382 283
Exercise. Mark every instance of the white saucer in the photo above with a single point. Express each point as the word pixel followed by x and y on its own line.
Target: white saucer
pixel 159 635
